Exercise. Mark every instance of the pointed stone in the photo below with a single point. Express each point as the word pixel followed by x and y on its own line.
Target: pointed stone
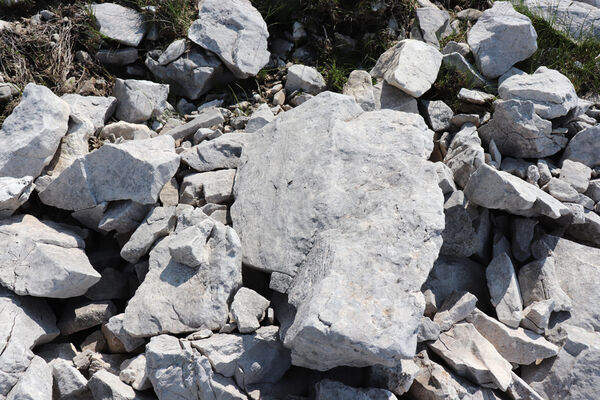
pixel 504 289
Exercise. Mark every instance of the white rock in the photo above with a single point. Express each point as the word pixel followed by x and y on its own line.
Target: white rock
pixel 14 192
pixel 133 372
pixel 584 147
pixel 305 79
pixel 360 86
pixel 235 31
pixel 475 96
pixel 433 24
pixel 438 114
pixel 31 134
pixel 465 154
pixel 120 23
pixel 117 338
pixel 259 118
pixel 411 66
pixel 248 310
pixel 455 308
pixel 44 260
pixel 576 18
pixel 501 38
pixel 69 382
pixel 538 282
pixel 127 131
pixel 105 385
pixel 552 93
pixel 388 97
pixel 139 100
pixel 576 174
pixel 35 383
pixel 158 223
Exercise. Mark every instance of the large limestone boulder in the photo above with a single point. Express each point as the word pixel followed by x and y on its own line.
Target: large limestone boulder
pixel 501 38
pixel 576 18
pixel 235 31
pixel 31 134
pixel 98 176
pixel 43 259
pixel 369 182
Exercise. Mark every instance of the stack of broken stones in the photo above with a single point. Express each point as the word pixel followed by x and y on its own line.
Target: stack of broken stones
pixel 365 245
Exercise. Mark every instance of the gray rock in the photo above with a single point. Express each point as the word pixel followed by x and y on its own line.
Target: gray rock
pixel 120 23
pixel 475 96
pixel 455 308
pixel 248 310
pixel 460 236
pixel 117 57
pixel 159 222
pixel 500 190
pixel 177 370
pixel 593 190
pixel 259 118
pixel 123 216
pixel 213 186
pixel 573 374
pixel 235 31
pixel 388 97
pixel 127 131
pixel 576 174
pixel 112 285
pixel 445 178
pixel 552 93
pixel 133 372
pixel 412 66
pixel 35 383
pixel 465 154
pixel 175 298
pixel 520 390
pixel 454 47
pixel 7 90
pixel 329 289
pixel 516 345
pixel 536 316
pixel 69 382
pixel 88 113
pixel 519 132
pixel 360 86
pixel 397 379
pixel 31 134
pixel 578 19
pixel 207 118
pixel 437 114
pixel 255 358
pixel 172 52
pixel 139 100
pixel 471 77
pixel 98 176
pixel 192 74
pixel 305 79
pixel 522 230
pixel 44 260
pixel 583 147
pixel 77 316
pixel 332 390
pixel 504 290
pixel 433 24
pixel 428 330
pixel 561 190
pixel 501 38
pixel 103 385
pixel 472 356
pixel 538 282
pixel 118 340
pixel 14 192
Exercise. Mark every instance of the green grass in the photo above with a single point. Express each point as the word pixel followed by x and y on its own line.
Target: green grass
pixel 556 50
pixel 173 17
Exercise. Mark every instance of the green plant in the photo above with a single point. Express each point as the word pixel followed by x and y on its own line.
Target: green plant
pixel 173 17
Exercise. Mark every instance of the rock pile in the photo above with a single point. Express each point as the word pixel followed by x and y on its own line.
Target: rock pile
pixel 365 245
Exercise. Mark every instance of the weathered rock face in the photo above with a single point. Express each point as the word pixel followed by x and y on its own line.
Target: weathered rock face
pixel 177 298
pixel 575 18
pixel 13 193
pixel 31 134
pixel 44 260
pixel 552 93
pixel 465 154
pixel 585 147
pixel 519 132
pixel 412 66
pixel 98 177
pixel 314 222
pixel 332 390
pixel 120 23
pixel 139 100
pixel 501 38
pixel 504 290
pixel 305 79
pixel 235 31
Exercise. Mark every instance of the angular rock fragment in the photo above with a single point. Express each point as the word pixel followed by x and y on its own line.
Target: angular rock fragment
pixel 360 86
pixel 133 372
pixel 177 370
pixel 455 308
pixel 98 176
pixel 14 192
pixel 433 24
pixel 35 382
pixel 460 236
pixel 326 294
pixel 31 134
pixel 123 216
pixel 457 62
pixel 475 96
pixel 235 31
pixel 305 79
pixel 504 290
pixel 501 38
pixel 69 382
pixel 206 119
pixel 332 390
pixel 412 66
pixel 465 154
pixel 494 189
pixel 583 147
pixel 522 235
pixel 139 100
pixel 77 317
pixel 576 174
pixel 158 223
pixel 438 114
pixel 104 385
pixel 175 298
pixel 126 131
pixel 118 57
pixel 516 345
pixel 561 190
pixel 397 379
pixel 119 23
pixel 42 259
pixel 520 390
pixel 536 316
pixel 248 310
pixel 117 339
pixel 473 357
pixel 388 97
pixel 519 132
pixel 214 187
pixel 538 282
pixel 552 93
pixel 259 118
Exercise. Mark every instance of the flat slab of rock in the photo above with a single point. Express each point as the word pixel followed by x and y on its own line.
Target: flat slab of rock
pixel 298 221
pixel 501 38
pixel 98 176
pixel 412 66
pixel 518 131
pixel 500 190
pixel 473 357
pixel 177 298
pixel 552 93
pixel 42 259
pixel 235 31
pixel 119 23
pixel 516 345
pixel 31 134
